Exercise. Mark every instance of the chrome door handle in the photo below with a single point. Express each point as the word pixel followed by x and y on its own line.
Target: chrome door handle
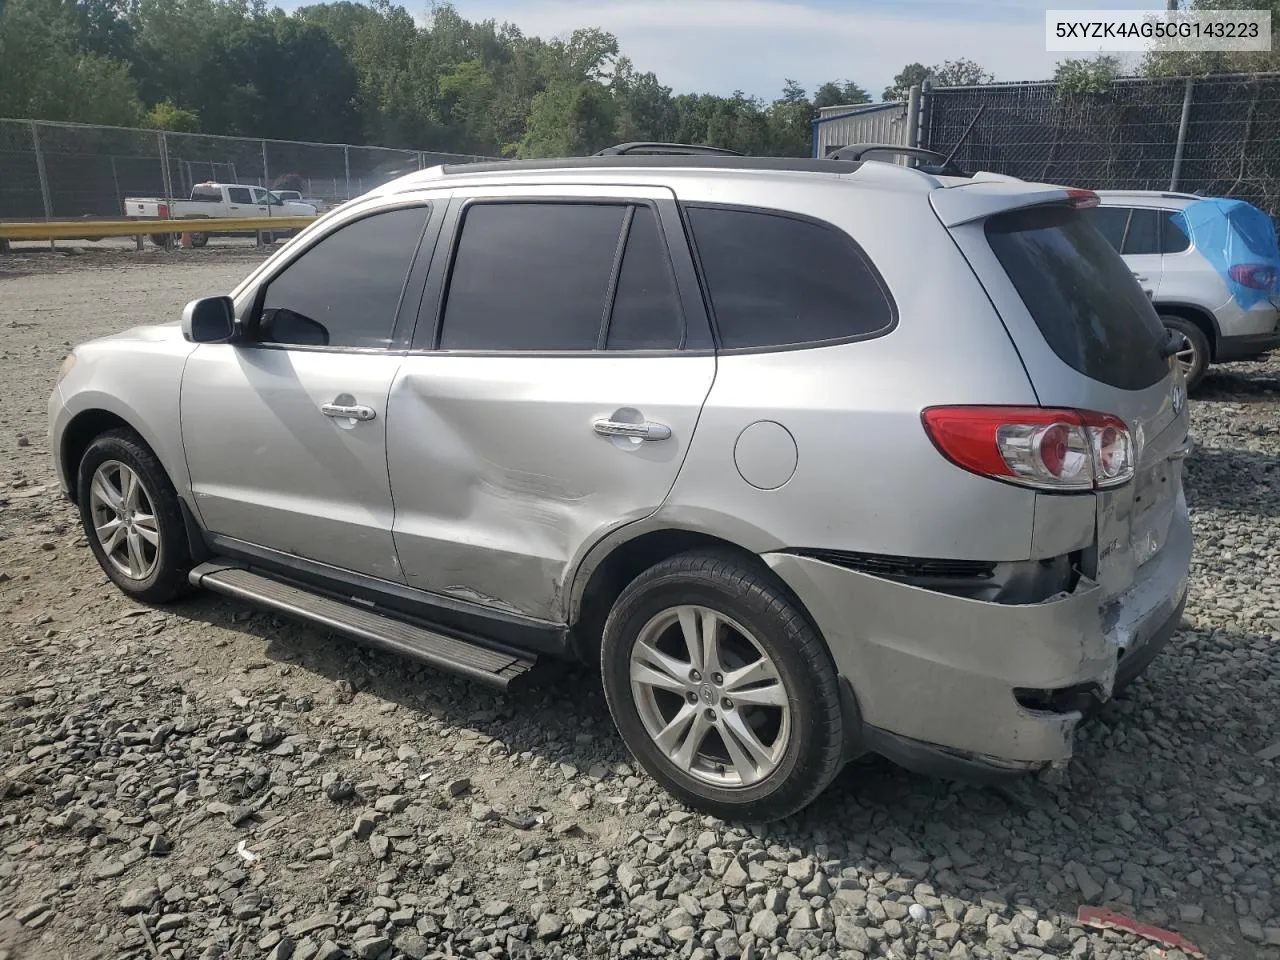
pixel 343 411
pixel 642 431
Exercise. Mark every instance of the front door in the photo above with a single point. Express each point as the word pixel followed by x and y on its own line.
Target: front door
pixel 286 430
pixel 558 374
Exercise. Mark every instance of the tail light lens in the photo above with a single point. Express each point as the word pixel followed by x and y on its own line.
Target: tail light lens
pixel 1257 276
pixel 1082 199
pixel 163 210
pixel 1055 450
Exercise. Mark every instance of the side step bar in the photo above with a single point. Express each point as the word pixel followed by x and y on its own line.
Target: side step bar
pixel 492 666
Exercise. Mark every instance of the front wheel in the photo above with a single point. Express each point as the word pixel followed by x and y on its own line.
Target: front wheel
pixel 722 689
pixel 1193 348
pixel 132 518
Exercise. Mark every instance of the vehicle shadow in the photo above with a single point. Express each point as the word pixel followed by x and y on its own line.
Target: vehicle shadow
pixel 1130 829
pixel 1234 479
pixel 1238 383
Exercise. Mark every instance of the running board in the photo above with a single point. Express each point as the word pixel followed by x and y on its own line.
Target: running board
pixel 488 665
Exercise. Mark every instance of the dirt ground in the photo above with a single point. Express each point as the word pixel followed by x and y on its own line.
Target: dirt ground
pixel 208 780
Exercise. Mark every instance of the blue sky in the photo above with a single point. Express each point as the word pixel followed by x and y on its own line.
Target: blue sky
pixel 718 46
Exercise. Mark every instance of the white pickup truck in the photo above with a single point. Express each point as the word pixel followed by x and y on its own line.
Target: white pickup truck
pixel 218 200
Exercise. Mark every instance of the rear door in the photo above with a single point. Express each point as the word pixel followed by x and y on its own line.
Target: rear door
pixel 1090 339
pixel 559 366
pixel 1134 233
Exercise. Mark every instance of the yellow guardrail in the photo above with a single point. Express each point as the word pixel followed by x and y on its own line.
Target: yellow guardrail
pixel 86 229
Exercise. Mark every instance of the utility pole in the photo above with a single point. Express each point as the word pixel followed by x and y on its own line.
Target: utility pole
pixel 1171 5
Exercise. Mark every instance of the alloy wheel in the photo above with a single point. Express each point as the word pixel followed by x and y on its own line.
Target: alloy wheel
pixel 710 697
pixel 124 520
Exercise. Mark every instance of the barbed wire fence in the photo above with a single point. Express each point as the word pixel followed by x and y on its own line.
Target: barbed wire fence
pixel 1215 136
pixel 67 171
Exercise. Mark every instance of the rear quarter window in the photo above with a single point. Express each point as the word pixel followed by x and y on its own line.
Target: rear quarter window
pixel 1081 294
pixel 779 280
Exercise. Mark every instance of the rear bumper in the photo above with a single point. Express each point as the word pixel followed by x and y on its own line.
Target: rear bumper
pixel 954 686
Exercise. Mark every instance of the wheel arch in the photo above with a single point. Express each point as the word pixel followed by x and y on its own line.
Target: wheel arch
pixel 616 561
pixel 92 422
pixel 1202 318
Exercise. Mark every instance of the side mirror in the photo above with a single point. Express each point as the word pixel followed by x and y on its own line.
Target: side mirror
pixel 209 320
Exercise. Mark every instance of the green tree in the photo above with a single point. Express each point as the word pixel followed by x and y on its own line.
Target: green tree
pixel 1087 75
pixel 48 75
pixel 909 76
pixel 1175 63
pixel 165 116
pixel 569 119
pixel 950 73
pixel 839 92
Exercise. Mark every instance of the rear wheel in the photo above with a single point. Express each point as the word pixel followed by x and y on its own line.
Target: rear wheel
pixel 132 518
pixel 1193 348
pixel 722 689
pixel 199 239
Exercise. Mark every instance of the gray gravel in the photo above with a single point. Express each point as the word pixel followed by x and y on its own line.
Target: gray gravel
pixel 211 781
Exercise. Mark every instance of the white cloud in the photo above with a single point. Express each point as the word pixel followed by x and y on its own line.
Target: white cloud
pixel 722 45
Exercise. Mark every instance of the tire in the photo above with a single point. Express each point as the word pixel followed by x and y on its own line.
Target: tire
pixel 161 239
pixel 199 239
pixel 1196 345
pixel 802 734
pixel 160 568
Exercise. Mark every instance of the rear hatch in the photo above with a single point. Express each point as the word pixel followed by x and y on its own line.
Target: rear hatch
pixel 1090 340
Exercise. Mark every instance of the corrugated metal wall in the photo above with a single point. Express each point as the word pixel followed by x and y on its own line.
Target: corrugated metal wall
pixel 876 123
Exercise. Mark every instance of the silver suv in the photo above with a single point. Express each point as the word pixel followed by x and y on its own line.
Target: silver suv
pixel 1209 284
pixel 814 458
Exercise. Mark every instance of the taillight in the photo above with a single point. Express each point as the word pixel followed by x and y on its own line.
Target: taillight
pixel 1055 450
pixel 1257 276
pixel 163 210
pixel 1082 199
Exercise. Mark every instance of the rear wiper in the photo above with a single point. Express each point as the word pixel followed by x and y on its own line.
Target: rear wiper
pixel 1172 344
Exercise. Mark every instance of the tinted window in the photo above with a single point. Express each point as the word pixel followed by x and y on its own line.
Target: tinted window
pixel 531 276
pixel 206 194
pixel 238 195
pixel 1144 232
pixel 343 292
pixel 1173 238
pixel 1082 296
pixel 777 280
pixel 1111 221
pixel 646 311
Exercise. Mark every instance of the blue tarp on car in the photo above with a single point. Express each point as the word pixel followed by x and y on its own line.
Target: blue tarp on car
pixel 1233 234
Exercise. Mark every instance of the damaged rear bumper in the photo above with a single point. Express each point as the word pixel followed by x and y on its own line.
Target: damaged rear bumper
pixel 953 686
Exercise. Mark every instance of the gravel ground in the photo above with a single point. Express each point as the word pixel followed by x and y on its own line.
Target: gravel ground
pixel 210 781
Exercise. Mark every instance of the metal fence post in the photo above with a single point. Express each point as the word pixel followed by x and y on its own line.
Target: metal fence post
pixel 1182 135
pixel 346 163
pixel 913 116
pixel 40 171
pixel 266 177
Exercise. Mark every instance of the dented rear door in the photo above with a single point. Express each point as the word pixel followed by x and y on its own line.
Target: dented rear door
pixel 522 427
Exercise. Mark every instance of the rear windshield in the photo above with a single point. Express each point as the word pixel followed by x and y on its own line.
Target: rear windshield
pixel 1082 295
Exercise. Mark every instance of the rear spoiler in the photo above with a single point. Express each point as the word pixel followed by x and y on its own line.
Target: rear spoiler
pixel 981 198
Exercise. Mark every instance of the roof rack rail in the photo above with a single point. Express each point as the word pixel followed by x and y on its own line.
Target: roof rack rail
pixel 941 167
pixel 672 161
pixel 652 149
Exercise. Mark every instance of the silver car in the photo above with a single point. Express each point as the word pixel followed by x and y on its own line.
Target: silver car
pixel 1197 291
pixel 814 458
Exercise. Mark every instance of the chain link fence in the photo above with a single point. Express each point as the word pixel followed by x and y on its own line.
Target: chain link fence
pixel 66 171
pixel 1215 136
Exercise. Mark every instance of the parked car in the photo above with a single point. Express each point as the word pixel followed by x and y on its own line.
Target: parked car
pixel 1213 281
pixel 694 419
pixel 295 196
pixel 219 200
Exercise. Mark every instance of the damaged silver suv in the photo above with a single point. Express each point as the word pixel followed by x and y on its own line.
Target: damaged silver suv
pixel 813 457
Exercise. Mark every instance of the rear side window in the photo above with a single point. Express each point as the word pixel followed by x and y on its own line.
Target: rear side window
pixel 1144 232
pixel 206 194
pixel 1083 297
pixel 778 280
pixel 1110 222
pixel 1173 238
pixel 550 276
